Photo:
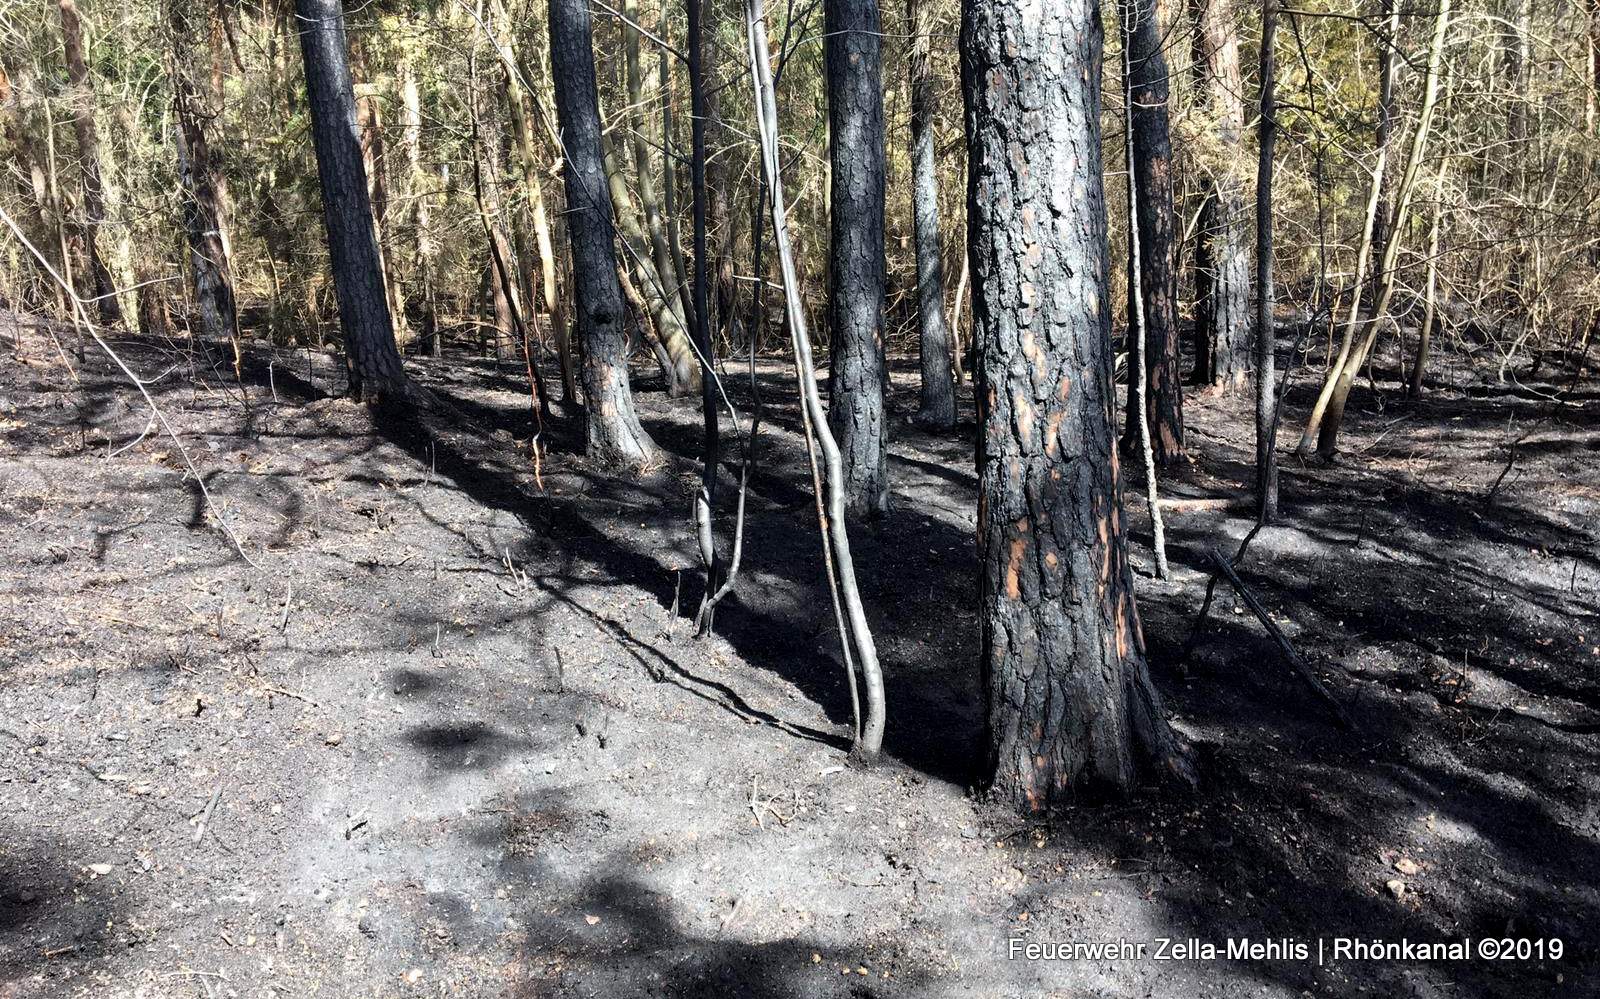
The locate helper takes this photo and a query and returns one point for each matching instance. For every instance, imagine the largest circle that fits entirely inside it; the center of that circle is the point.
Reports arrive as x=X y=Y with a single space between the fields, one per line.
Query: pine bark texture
x=1222 y=264
x=83 y=125
x=1152 y=176
x=613 y=430
x=858 y=372
x=938 y=409
x=1069 y=704
x=371 y=359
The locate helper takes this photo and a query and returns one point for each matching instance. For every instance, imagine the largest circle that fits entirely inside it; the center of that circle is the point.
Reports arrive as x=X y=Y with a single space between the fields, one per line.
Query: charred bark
x=1151 y=174
x=372 y=360
x=1265 y=337
x=1069 y=704
x=613 y=431
x=1221 y=265
x=857 y=372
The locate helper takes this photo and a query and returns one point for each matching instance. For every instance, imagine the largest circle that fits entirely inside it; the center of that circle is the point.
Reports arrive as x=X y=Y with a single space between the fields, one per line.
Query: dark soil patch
x=458 y=744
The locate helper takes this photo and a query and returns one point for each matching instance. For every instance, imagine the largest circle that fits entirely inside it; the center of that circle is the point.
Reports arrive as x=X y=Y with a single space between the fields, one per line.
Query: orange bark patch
x=1019 y=547
x=1024 y=419
x=1052 y=434
x=1014 y=570
x=1122 y=630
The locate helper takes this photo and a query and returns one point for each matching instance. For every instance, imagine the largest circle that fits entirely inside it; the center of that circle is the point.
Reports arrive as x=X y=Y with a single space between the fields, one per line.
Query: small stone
x=1407 y=866
x=334 y=739
x=100 y=870
x=1397 y=888
x=591 y=920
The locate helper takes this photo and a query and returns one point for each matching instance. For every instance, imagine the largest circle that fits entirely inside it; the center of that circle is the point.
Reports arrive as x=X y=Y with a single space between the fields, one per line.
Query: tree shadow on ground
x=1296 y=827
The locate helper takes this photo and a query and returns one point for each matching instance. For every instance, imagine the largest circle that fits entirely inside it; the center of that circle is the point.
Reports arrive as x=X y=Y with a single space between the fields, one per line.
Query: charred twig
x=1511 y=461
x=1290 y=657
x=1211 y=592
x=205 y=816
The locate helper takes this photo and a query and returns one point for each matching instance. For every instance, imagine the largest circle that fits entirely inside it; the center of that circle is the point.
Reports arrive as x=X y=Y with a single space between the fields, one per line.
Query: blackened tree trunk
x=94 y=198
x=203 y=202
x=1152 y=176
x=711 y=433
x=371 y=358
x=1222 y=265
x=614 y=433
x=1265 y=339
x=938 y=408
x=857 y=373
x=1069 y=703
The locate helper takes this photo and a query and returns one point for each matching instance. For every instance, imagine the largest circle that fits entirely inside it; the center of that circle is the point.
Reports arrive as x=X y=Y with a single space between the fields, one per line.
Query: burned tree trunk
x=1266 y=356
x=1221 y=265
x=614 y=433
x=94 y=198
x=857 y=373
x=1151 y=175
x=938 y=408
x=1068 y=700
x=371 y=358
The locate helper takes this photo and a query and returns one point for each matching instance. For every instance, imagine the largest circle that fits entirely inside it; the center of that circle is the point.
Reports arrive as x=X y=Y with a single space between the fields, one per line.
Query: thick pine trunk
x=1222 y=265
x=1069 y=704
x=371 y=358
x=938 y=408
x=614 y=433
x=94 y=198
x=857 y=372
x=1152 y=177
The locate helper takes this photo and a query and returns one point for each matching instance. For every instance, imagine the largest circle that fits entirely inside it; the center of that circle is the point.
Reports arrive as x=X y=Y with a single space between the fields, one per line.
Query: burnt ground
x=449 y=738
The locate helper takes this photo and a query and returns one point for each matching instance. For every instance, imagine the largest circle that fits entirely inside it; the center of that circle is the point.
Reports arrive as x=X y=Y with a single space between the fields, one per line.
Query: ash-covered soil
x=447 y=735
